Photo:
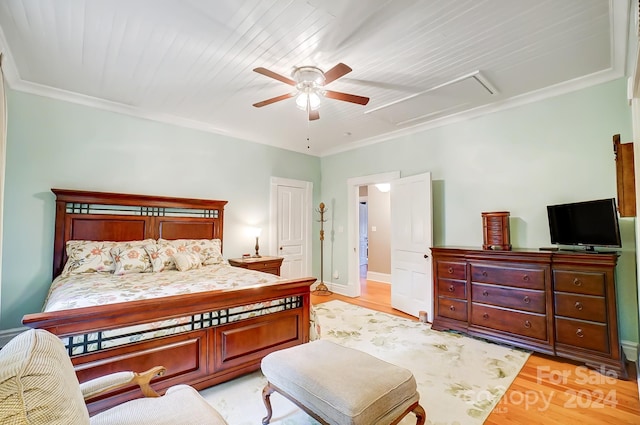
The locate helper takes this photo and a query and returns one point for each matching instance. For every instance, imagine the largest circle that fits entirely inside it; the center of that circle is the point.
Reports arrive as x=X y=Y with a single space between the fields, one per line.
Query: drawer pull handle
x=525 y=278
x=450 y=270
x=451 y=288
x=484 y=273
x=452 y=308
x=579 y=333
x=485 y=293
x=485 y=316
x=579 y=306
x=526 y=299
x=527 y=324
x=577 y=282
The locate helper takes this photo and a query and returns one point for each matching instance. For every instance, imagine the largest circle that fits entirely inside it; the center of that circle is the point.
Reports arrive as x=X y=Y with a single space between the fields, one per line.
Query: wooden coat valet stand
x=321 y=288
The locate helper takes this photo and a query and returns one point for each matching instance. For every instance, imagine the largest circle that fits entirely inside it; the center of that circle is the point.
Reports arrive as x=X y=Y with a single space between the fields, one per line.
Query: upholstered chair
x=39 y=386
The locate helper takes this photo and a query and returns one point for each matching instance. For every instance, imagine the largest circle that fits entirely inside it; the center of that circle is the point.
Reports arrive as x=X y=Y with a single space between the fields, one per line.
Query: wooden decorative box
x=495 y=226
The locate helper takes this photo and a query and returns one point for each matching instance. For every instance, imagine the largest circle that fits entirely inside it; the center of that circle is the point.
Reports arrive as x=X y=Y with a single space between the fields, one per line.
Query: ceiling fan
x=310 y=83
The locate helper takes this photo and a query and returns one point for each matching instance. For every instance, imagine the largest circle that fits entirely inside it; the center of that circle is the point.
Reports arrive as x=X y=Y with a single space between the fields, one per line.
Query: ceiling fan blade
x=273 y=100
x=314 y=115
x=346 y=97
x=336 y=72
x=271 y=74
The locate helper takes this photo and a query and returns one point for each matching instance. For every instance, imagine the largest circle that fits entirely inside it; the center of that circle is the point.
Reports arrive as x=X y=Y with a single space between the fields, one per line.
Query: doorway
x=353 y=288
x=363 y=234
x=411 y=239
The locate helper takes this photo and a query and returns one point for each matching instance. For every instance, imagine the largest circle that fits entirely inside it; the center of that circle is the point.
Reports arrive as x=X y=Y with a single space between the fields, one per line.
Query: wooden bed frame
x=208 y=354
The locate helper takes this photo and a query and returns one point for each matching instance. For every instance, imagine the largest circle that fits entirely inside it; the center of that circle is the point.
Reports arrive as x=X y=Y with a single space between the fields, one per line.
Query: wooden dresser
x=261 y=264
x=554 y=302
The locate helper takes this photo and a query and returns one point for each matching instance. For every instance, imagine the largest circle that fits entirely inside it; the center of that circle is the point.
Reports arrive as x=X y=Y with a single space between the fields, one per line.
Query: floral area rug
x=460 y=379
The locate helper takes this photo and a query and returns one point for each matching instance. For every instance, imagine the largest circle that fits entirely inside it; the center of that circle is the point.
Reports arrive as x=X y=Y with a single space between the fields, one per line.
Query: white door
x=411 y=239
x=364 y=235
x=291 y=230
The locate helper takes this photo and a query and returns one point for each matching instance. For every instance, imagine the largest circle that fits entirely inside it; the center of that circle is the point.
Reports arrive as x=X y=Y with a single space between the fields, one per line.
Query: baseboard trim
x=638 y=370
x=7 y=334
x=337 y=288
x=379 y=277
x=630 y=349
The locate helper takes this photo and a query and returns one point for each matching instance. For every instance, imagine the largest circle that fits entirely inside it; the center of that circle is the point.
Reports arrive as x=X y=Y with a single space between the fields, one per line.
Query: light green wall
x=518 y=160
x=52 y=143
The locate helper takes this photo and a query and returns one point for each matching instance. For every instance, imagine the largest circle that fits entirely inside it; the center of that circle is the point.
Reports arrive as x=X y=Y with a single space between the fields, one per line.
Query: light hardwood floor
x=546 y=391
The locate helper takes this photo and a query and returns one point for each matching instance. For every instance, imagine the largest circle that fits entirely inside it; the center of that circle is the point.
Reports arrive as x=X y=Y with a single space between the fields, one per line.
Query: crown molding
x=620 y=22
x=531 y=97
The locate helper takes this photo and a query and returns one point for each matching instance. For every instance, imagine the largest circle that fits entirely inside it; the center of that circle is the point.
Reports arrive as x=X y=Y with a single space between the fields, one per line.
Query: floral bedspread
x=92 y=289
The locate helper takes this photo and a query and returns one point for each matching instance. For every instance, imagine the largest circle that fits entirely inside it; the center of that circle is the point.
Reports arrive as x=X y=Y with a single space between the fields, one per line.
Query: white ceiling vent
x=445 y=98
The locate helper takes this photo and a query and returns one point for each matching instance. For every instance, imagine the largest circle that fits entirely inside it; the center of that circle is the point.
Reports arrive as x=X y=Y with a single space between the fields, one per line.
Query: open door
x=411 y=240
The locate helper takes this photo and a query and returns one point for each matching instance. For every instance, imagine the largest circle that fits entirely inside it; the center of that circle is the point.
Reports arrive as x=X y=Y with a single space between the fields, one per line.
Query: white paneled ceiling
x=421 y=62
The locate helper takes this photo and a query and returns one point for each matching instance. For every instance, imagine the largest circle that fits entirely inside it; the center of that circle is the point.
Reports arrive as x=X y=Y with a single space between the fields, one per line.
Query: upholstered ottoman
x=337 y=385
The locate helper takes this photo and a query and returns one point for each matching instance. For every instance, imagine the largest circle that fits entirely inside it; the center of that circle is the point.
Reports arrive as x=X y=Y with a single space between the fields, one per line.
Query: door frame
x=352 y=288
x=273 y=217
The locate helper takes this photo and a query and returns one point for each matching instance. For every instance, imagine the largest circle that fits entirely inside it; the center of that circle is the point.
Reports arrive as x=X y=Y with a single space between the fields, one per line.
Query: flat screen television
x=588 y=224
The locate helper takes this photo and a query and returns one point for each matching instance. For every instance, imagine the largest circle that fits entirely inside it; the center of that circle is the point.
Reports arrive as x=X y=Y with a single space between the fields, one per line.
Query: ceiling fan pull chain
x=308 y=131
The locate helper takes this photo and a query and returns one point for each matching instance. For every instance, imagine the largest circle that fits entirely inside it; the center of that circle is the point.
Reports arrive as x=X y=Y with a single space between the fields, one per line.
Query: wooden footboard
x=211 y=346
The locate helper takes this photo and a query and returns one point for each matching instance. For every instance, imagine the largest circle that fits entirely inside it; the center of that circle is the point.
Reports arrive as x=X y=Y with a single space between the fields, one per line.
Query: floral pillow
x=94 y=256
x=209 y=250
x=161 y=255
x=88 y=257
x=130 y=258
x=187 y=260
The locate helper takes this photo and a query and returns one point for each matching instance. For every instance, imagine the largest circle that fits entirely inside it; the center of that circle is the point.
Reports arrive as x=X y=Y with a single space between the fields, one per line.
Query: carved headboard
x=102 y=216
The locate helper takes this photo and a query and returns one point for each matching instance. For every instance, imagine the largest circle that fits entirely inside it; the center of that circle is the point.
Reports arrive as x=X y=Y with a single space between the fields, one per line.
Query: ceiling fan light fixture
x=309 y=82
x=308 y=98
x=308 y=77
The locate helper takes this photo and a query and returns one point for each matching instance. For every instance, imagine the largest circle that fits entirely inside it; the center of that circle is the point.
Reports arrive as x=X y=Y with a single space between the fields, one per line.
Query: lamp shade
x=310 y=98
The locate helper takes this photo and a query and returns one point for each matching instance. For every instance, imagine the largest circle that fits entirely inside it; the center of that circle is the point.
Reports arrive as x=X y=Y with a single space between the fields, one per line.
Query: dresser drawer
x=261 y=264
x=452 y=270
x=581 y=307
x=267 y=269
x=509 y=276
x=515 y=322
x=452 y=288
x=578 y=333
x=579 y=282
x=453 y=309
x=502 y=296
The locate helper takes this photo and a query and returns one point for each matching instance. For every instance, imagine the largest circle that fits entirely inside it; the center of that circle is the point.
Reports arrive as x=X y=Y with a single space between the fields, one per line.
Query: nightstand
x=261 y=264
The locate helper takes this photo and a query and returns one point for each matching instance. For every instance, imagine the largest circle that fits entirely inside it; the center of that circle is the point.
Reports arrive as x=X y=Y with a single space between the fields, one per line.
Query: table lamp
x=256 y=233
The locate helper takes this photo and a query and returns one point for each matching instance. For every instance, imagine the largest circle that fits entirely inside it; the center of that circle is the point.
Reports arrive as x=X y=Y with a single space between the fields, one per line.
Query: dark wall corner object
x=625 y=177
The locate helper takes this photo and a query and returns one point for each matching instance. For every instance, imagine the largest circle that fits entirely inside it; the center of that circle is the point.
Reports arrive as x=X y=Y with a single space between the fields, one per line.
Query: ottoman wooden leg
x=421 y=416
x=417 y=410
x=266 y=398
